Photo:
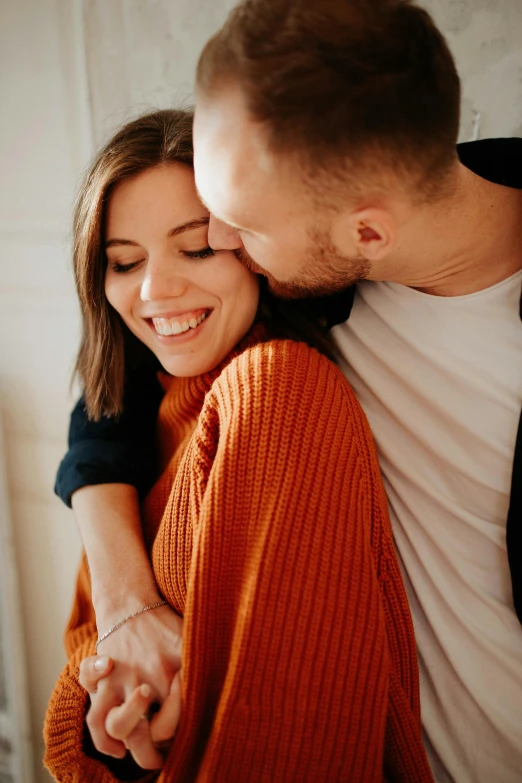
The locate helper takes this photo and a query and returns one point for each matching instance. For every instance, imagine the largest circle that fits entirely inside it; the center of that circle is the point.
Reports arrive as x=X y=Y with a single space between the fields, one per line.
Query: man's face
x=262 y=208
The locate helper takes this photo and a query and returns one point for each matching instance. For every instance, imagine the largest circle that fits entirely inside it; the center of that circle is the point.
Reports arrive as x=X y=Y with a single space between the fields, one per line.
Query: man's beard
x=325 y=272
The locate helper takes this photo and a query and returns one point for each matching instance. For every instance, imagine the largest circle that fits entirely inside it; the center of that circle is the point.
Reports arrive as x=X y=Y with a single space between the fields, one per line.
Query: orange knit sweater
x=271 y=538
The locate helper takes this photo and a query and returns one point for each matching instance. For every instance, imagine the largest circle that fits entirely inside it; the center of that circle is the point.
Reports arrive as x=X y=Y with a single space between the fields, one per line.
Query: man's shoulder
x=497 y=160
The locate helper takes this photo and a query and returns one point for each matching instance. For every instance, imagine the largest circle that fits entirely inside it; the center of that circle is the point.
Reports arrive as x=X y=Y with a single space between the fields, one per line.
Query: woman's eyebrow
x=174 y=232
x=112 y=242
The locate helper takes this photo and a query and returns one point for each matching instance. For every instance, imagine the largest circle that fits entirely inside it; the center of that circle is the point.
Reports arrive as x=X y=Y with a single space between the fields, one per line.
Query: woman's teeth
x=168 y=326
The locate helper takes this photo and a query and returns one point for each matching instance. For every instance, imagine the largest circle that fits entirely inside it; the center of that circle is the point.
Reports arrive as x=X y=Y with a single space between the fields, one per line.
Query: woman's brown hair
x=151 y=140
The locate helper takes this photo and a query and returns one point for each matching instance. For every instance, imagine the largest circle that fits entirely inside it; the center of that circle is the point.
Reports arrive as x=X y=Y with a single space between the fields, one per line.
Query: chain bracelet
x=129 y=617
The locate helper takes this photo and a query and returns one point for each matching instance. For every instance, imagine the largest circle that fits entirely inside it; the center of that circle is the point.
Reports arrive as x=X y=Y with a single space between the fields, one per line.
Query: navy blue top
x=121 y=449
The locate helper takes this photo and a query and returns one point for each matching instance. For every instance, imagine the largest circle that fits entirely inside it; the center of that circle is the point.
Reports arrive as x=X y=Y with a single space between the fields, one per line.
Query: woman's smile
x=164 y=280
x=183 y=325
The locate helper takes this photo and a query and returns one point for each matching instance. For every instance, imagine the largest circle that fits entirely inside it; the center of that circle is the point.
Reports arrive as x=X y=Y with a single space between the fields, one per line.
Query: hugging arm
x=115 y=449
x=109 y=466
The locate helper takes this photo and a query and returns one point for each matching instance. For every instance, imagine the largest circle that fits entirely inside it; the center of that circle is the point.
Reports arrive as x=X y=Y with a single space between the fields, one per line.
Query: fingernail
x=101 y=664
x=145 y=690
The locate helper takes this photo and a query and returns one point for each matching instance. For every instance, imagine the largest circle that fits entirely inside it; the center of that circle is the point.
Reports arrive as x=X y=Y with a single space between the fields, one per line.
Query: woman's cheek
x=116 y=292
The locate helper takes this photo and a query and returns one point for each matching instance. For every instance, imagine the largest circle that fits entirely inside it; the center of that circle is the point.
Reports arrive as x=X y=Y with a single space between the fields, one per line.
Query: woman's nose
x=222 y=236
x=162 y=280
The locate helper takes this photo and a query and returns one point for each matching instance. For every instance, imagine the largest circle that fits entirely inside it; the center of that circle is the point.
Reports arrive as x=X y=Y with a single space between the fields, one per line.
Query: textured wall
x=43 y=148
x=486 y=39
x=142 y=53
x=139 y=54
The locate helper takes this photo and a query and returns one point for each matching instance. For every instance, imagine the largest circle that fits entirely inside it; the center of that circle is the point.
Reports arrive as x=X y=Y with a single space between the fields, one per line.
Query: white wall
x=139 y=54
x=44 y=145
x=486 y=39
x=142 y=53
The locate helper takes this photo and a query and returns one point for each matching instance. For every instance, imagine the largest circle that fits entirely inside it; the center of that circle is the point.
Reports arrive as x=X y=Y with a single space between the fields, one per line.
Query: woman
x=267 y=527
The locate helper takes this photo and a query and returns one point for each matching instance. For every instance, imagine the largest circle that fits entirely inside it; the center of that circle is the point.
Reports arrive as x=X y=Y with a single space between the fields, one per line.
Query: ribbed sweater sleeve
x=274 y=543
x=286 y=663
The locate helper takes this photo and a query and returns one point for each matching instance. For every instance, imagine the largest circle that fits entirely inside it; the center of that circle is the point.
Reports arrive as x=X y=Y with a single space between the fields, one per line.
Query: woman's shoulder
x=281 y=391
x=277 y=357
x=276 y=367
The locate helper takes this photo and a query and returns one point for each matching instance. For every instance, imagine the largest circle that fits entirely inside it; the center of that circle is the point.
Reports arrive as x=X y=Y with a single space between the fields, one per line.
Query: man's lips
x=247 y=260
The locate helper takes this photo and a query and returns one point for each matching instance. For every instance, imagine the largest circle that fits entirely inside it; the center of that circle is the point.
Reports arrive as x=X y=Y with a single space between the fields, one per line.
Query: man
x=325 y=141
x=325 y=149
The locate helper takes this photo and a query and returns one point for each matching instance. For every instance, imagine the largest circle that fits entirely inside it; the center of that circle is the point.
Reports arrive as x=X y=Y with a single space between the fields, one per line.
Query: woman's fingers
x=121 y=721
x=101 y=704
x=142 y=748
x=116 y=727
x=94 y=669
x=165 y=722
x=129 y=723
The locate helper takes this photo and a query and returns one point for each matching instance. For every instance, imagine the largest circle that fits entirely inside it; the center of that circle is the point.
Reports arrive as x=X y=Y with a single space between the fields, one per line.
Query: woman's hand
x=129 y=723
x=146 y=650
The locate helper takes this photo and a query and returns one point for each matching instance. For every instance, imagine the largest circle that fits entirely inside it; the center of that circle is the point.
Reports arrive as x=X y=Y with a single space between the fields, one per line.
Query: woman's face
x=188 y=304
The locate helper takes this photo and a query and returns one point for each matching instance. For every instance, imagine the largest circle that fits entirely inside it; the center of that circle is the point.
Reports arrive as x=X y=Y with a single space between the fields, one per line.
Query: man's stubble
x=326 y=271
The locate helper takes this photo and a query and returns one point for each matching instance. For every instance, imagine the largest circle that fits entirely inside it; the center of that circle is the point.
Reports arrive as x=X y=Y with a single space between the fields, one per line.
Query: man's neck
x=465 y=243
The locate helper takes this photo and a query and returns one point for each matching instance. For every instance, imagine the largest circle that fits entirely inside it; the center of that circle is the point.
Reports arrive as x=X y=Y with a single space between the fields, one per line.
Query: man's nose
x=222 y=236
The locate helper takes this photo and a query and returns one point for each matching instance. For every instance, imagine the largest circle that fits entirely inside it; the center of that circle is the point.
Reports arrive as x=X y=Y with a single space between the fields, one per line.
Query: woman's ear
x=369 y=233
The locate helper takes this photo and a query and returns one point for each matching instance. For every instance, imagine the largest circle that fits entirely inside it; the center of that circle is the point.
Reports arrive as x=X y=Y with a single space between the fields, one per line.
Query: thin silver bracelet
x=129 y=617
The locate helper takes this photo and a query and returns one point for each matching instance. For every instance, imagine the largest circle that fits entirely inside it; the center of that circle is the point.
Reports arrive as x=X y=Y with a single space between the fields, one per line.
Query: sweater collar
x=184 y=397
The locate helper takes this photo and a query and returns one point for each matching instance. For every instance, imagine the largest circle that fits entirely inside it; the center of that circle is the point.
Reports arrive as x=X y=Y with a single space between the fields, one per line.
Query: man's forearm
x=108 y=516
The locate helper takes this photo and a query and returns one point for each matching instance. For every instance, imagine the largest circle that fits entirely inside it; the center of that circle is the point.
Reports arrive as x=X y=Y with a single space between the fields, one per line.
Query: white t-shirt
x=440 y=380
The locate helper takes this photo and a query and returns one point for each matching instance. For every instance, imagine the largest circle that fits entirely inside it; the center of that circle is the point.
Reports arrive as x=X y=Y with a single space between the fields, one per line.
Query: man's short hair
x=340 y=83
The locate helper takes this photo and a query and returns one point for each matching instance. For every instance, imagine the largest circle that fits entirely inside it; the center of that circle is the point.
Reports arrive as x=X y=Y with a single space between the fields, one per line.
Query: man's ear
x=369 y=233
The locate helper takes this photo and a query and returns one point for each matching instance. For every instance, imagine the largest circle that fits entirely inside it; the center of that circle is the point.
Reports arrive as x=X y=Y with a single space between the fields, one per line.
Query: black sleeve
x=121 y=449
x=118 y=449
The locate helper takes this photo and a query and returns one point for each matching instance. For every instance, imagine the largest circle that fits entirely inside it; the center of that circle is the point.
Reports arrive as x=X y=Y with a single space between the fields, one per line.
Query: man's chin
x=310 y=290
x=305 y=288
x=289 y=290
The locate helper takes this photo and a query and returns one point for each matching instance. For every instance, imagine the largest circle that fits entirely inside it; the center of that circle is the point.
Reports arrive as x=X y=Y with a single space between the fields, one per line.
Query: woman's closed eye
x=206 y=252
x=121 y=268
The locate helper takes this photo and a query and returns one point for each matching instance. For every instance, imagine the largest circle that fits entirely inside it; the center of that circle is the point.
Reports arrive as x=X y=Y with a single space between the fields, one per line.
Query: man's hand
x=144 y=651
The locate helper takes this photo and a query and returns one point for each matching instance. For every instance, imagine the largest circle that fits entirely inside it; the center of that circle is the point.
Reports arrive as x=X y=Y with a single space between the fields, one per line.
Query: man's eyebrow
x=174 y=232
